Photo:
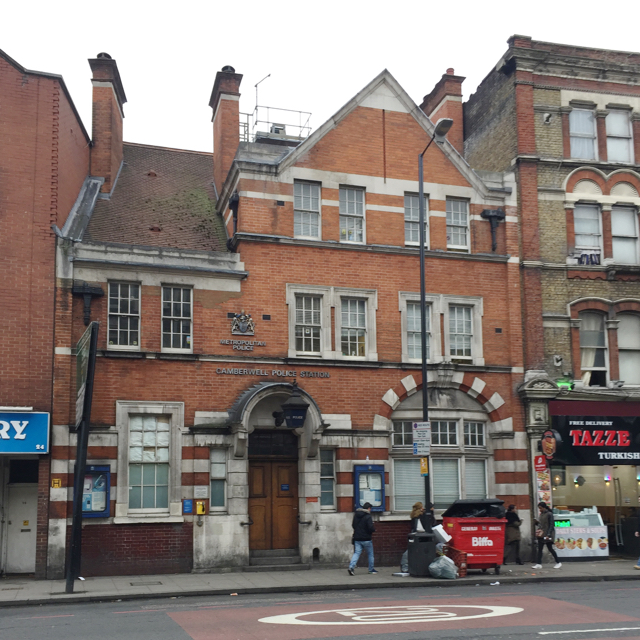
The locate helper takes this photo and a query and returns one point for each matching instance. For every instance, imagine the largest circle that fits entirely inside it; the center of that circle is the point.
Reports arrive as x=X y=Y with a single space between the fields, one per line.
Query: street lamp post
x=439 y=133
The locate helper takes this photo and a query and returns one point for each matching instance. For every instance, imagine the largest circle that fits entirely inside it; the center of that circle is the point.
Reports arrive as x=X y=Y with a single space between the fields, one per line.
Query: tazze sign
x=578 y=440
x=24 y=432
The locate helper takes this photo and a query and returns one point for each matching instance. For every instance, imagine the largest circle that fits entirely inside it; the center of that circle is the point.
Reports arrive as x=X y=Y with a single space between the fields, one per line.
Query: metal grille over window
x=582 y=128
x=306 y=209
x=629 y=348
x=444 y=432
x=619 y=141
x=414 y=334
x=624 y=229
x=586 y=219
x=593 y=350
x=457 y=224
x=124 y=314
x=473 y=434
x=149 y=462
x=176 y=318
x=408 y=484
x=218 y=477
x=403 y=434
x=475 y=479
x=460 y=331
x=446 y=482
x=351 y=215
x=412 y=220
x=354 y=327
x=308 y=324
x=327 y=479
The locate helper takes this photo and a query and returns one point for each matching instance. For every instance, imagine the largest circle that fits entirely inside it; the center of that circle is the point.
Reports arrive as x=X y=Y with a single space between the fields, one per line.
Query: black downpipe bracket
x=494 y=216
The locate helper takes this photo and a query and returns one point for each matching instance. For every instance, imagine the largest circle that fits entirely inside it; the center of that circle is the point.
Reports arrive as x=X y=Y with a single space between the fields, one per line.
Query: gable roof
x=162 y=198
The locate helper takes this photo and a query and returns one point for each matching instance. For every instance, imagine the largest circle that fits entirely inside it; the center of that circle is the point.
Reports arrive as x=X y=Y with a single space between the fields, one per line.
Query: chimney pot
x=450 y=71
x=104 y=55
x=228 y=69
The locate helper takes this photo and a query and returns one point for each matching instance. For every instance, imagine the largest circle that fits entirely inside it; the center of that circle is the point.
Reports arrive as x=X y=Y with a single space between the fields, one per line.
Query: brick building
x=43 y=165
x=566 y=119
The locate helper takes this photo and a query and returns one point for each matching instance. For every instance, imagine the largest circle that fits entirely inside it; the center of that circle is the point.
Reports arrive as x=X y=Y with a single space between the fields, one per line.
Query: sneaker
x=557 y=565
x=373 y=571
x=637 y=567
x=350 y=571
x=537 y=566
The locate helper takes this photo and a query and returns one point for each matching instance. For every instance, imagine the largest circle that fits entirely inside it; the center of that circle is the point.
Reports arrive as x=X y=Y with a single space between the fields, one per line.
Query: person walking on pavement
x=546 y=534
x=512 y=534
x=637 y=566
x=362 y=529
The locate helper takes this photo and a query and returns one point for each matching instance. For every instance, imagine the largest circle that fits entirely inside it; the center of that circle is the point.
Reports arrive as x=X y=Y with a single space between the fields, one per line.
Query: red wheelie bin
x=477 y=529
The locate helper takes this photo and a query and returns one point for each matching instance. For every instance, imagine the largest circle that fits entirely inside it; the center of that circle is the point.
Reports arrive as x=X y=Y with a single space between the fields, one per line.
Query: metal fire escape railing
x=273 y=121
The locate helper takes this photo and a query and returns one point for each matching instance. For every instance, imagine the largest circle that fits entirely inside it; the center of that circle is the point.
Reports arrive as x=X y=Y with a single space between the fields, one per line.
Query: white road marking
x=392 y=615
x=548 y=633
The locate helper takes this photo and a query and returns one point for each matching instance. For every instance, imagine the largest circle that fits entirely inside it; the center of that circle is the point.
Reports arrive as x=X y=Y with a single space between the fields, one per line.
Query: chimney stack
x=225 y=102
x=108 y=101
x=445 y=101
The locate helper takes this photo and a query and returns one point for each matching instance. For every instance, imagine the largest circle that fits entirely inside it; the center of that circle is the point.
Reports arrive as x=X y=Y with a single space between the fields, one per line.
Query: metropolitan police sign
x=24 y=432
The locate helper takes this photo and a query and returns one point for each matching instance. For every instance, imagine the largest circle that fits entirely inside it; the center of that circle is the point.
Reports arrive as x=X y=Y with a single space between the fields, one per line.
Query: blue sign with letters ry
x=24 y=432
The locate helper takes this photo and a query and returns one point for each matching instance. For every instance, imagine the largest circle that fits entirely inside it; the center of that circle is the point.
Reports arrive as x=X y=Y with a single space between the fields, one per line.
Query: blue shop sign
x=24 y=432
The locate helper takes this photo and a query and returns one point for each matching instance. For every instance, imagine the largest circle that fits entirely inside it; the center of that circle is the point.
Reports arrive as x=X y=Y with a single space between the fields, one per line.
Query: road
x=565 y=611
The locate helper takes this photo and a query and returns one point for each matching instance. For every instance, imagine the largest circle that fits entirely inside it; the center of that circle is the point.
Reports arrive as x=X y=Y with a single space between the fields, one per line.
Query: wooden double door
x=273 y=504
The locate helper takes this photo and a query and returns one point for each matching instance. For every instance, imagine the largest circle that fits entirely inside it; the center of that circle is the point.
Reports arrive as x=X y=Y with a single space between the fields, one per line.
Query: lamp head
x=442 y=128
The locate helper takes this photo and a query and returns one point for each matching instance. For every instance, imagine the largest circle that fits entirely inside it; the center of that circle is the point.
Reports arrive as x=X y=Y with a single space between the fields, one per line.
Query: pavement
x=24 y=591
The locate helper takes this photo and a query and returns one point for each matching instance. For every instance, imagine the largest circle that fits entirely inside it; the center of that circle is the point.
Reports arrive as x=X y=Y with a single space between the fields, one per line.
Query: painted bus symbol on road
x=392 y=615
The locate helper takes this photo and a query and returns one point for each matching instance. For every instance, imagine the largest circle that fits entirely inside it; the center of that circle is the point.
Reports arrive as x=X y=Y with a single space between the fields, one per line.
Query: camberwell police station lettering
x=24 y=432
x=279 y=373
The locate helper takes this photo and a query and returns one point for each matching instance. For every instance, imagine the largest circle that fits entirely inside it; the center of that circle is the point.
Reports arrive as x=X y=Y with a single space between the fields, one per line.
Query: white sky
x=319 y=54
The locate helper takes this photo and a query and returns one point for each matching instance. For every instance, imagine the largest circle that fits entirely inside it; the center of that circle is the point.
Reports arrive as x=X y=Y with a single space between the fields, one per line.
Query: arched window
x=593 y=349
x=629 y=348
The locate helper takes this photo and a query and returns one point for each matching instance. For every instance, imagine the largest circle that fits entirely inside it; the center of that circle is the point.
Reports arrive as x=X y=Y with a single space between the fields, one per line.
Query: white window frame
x=591 y=369
x=370 y=298
x=363 y=217
x=458 y=247
x=411 y=221
x=332 y=507
x=224 y=478
x=326 y=301
x=580 y=249
x=482 y=431
x=175 y=412
x=583 y=136
x=626 y=349
x=435 y=337
x=300 y=210
x=163 y=349
x=124 y=347
x=634 y=237
x=477 y=312
x=628 y=137
x=407 y=435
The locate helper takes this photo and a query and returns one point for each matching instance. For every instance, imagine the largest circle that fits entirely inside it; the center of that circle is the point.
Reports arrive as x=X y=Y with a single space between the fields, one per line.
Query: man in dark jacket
x=362 y=529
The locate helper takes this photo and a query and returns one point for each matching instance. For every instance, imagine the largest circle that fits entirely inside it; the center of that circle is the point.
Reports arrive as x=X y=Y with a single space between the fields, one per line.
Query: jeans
x=359 y=546
x=541 y=544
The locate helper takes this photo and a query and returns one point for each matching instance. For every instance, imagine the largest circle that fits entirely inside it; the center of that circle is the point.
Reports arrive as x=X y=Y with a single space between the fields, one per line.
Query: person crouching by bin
x=421 y=519
x=363 y=528
x=546 y=534
x=512 y=534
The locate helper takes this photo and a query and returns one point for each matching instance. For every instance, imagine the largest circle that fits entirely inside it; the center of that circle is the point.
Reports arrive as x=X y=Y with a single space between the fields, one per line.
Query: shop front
x=24 y=438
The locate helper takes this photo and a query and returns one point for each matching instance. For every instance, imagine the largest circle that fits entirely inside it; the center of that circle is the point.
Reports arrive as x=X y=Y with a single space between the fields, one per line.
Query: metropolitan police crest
x=242 y=324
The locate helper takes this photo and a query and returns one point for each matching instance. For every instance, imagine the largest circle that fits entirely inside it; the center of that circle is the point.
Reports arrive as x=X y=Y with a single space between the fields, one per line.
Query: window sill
x=150 y=519
x=400 y=516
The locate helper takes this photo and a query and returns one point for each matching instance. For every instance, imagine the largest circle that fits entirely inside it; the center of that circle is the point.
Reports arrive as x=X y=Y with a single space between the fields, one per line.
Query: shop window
x=327 y=479
x=446 y=481
x=624 y=231
x=176 y=319
x=408 y=484
x=587 y=227
x=629 y=348
x=457 y=225
x=218 y=500
x=593 y=349
x=474 y=434
x=149 y=463
x=444 y=433
x=582 y=131
x=306 y=210
x=351 y=214
x=619 y=139
x=124 y=316
x=412 y=220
